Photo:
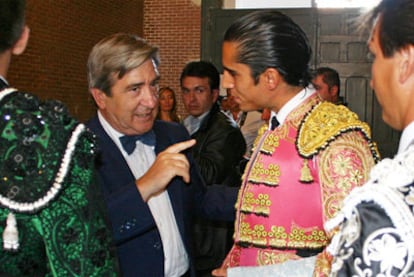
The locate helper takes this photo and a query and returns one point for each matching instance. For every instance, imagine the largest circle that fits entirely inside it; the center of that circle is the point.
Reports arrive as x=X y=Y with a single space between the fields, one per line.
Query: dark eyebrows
x=232 y=72
x=156 y=79
x=140 y=84
x=134 y=85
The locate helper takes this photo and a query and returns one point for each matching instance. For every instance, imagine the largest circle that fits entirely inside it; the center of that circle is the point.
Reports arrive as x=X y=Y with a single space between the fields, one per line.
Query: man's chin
x=248 y=108
x=144 y=126
x=195 y=113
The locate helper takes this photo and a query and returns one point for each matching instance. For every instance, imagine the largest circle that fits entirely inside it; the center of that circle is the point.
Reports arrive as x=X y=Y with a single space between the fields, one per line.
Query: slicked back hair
x=270 y=39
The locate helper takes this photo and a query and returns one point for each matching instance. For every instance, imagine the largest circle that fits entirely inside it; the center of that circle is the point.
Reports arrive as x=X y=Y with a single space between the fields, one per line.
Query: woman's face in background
x=166 y=100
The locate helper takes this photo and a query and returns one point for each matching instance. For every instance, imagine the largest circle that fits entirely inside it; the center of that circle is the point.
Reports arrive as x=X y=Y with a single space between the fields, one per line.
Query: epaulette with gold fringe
x=324 y=123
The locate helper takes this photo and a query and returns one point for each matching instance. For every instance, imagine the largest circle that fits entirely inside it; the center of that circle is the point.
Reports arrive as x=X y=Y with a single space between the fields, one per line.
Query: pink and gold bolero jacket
x=296 y=180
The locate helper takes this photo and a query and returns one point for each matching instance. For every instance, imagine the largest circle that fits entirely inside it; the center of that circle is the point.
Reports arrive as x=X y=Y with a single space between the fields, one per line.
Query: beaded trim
x=60 y=176
x=6 y=92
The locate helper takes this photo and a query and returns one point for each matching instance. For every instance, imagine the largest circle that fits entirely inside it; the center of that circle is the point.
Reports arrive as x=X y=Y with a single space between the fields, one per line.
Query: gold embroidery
x=325 y=122
x=264 y=175
x=277 y=237
x=305 y=173
x=260 y=205
x=270 y=143
x=342 y=167
x=322 y=265
x=260 y=133
x=272 y=256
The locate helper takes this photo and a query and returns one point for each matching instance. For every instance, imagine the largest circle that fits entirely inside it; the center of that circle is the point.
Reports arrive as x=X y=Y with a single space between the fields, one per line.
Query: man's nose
x=227 y=80
x=150 y=98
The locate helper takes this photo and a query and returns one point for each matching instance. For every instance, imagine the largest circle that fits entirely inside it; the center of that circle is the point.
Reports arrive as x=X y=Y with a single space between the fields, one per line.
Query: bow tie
x=129 y=142
x=274 y=123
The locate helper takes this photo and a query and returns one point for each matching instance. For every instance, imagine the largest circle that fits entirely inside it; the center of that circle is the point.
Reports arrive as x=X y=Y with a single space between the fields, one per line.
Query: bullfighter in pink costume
x=301 y=170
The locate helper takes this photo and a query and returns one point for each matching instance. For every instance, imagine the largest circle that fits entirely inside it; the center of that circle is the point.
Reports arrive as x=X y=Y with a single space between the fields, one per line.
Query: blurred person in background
x=167 y=109
x=328 y=85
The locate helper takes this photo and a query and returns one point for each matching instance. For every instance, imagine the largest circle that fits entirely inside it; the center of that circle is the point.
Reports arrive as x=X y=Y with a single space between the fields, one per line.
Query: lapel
x=119 y=172
x=206 y=121
x=118 y=169
x=166 y=136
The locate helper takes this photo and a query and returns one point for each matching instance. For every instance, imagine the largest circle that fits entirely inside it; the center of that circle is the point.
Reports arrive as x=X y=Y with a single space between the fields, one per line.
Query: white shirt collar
x=192 y=123
x=292 y=104
x=112 y=133
x=407 y=137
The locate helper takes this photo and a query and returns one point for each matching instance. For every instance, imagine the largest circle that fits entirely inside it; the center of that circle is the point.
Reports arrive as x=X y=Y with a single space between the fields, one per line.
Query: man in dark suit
x=148 y=177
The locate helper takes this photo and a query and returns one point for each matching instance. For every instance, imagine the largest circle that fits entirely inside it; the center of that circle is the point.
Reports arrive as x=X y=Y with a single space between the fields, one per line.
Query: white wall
x=254 y=4
x=248 y=4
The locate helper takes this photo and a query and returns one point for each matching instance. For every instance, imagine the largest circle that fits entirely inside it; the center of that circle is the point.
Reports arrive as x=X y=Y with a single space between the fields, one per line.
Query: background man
x=219 y=149
x=248 y=122
x=51 y=213
x=220 y=144
x=376 y=223
x=151 y=185
x=328 y=85
x=307 y=160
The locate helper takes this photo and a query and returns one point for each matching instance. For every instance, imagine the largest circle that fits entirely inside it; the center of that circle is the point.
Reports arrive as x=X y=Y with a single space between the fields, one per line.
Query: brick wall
x=62 y=35
x=64 y=31
x=173 y=26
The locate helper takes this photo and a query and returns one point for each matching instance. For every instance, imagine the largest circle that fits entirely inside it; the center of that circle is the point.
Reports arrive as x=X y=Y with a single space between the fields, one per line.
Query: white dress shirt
x=407 y=137
x=176 y=261
x=192 y=123
x=292 y=104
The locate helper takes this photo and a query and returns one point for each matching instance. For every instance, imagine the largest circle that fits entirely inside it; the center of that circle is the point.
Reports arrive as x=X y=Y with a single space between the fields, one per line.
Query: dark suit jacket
x=136 y=236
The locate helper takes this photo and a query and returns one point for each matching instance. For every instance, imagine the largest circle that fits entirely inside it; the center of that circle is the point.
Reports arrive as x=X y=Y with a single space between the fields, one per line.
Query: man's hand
x=219 y=272
x=167 y=165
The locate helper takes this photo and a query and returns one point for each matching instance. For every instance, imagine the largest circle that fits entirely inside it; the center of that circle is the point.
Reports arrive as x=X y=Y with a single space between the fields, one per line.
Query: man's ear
x=406 y=68
x=99 y=96
x=271 y=77
x=333 y=90
x=215 y=93
x=19 y=47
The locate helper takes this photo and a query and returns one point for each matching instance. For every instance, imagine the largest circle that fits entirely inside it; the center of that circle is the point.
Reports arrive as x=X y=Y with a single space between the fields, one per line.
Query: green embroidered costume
x=47 y=189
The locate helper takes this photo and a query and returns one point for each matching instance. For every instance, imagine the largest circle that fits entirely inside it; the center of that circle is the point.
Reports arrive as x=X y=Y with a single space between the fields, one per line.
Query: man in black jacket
x=219 y=149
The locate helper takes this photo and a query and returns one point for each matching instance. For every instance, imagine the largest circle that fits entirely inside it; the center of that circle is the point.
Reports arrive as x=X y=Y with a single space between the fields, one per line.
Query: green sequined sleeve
x=68 y=235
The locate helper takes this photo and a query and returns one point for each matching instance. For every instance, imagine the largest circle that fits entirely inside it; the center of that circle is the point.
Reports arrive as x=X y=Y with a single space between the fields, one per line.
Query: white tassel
x=11 y=234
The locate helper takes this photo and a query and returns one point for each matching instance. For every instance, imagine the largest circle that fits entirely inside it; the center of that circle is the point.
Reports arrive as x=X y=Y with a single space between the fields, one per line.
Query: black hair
x=12 y=20
x=270 y=39
x=202 y=69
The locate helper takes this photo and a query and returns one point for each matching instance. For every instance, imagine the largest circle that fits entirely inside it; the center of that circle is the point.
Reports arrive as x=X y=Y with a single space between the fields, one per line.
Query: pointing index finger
x=178 y=147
